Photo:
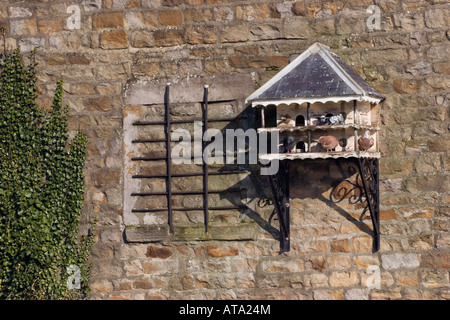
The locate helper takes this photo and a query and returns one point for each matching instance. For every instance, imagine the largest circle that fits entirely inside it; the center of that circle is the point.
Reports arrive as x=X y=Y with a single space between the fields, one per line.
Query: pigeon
x=366 y=141
x=338 y=119
x=285 y=122
x=288 y=144
x=324 y=120
x=328 y=142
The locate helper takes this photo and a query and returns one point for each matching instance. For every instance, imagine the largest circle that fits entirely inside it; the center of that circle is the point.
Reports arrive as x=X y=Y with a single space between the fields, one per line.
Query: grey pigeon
x=288 y=144
x=365 y=142
x=328 y=142
x=338 y=119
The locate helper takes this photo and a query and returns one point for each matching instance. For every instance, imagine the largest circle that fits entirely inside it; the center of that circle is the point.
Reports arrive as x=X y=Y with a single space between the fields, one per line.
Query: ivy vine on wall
x=41 y=192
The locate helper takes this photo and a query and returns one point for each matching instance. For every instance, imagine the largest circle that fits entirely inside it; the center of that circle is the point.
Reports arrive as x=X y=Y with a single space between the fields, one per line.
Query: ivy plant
x=42 y=255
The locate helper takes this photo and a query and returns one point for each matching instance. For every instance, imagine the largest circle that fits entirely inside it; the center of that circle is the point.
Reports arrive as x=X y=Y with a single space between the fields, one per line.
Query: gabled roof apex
x=317 y=75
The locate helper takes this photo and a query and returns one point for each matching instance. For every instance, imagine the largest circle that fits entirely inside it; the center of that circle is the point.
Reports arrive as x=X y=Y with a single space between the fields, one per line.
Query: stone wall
x=113 y=45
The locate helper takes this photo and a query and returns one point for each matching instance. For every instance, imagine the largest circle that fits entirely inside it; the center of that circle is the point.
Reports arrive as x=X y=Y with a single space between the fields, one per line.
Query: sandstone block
x=197 y=15
x=296 y=28
x=98 y=104
x=25 y=27
x=158 y=252
x=340 y=245
x=142 y=19
x=235 y=33
x=20 y=12
x=47 y=26
x=108 y=20
x=282 y=266
x=101 y=286
x=146 y=69
x=344 y=279
x=357 y=294
x=362 y=244
x=200 y=34
x=110 y=177
x=222 y=251
x=437 y=18
x=223 y=14
x=253 y=12
x=299 y=8
x=143 y=283
x=170 y=18
x=400 y=260
x=116 y=39
x=77 y=59
x=169 y=37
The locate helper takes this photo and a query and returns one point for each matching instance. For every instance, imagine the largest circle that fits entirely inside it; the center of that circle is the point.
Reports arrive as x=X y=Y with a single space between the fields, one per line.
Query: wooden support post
x=263 y=120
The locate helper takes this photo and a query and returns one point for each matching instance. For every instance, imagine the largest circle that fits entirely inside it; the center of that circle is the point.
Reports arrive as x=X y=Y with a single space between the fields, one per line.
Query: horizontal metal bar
x=192 y=157
x=148 y=158
x=189 y=209
x=190 y=174
x=149 y=123
x=163 y=193
x=162 y=140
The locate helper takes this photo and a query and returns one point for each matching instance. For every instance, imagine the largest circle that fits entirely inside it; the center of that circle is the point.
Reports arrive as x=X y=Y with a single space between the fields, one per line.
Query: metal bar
x=372 y=199
x=205 y=165
x=149 y=123
x=308 y=123
x=190 y=174
x=285 y=244
x=148 y=158
x=163 y=157
x=160 y=140
x=178 y=193
x=355 y=131
x=168 y=158
x=190 y=209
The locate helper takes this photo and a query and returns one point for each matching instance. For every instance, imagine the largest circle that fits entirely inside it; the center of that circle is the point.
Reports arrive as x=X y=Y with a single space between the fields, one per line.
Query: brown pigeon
x=328 y=142
x=366 y=141
x=285 y=122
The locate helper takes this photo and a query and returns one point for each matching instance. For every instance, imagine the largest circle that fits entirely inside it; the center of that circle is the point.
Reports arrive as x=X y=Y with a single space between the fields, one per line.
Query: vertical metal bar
x=287 y=219
x=376 y=207
x=355 y=131
x=308 y=123
x=169 y=158
x=205 y=165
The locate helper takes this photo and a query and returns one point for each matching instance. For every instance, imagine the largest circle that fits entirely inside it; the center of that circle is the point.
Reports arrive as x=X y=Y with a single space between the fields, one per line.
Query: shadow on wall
x=332 y=183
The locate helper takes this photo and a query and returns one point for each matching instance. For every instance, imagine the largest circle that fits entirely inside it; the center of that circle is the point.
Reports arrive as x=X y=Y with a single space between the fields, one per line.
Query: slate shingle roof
x=317 y=73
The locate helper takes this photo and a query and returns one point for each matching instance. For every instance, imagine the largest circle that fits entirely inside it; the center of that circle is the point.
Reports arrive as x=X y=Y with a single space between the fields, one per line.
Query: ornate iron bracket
x=279 y=185
x=369 y=172
x=369 y=176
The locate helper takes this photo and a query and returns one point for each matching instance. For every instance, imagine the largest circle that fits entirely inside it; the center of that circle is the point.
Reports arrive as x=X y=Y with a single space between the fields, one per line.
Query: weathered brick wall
x=123 y=42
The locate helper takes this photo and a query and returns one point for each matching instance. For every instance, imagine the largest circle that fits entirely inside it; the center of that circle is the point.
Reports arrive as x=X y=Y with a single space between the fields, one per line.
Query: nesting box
x=321 y=109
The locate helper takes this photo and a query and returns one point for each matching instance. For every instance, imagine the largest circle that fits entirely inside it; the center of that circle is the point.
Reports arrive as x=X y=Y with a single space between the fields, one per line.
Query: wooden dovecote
x=317 y=95
x=317 y=98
